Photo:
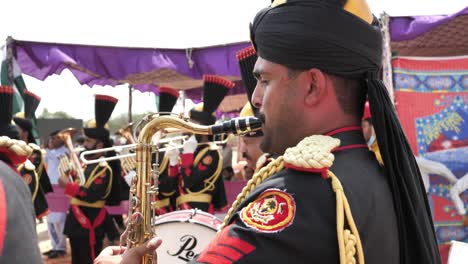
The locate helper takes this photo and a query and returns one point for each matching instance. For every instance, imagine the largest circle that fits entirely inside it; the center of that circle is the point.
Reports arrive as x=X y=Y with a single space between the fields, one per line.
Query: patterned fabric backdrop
x=432 y=102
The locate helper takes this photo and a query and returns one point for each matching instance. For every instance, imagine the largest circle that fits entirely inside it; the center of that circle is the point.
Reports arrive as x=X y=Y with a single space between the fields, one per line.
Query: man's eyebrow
x=258 y=73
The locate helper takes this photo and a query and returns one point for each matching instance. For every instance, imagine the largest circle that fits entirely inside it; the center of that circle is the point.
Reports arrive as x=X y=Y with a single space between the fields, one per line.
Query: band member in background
x=249 y=146
x=369 y=133
x=168 y=161
x=18 y=240
x=26 y=124
x=55 y=220
x=201 y=185
x=33 y=171
x=87 y=220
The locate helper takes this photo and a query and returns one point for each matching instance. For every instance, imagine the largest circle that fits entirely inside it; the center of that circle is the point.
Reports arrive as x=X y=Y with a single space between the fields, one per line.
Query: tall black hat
x=246 y=59
x=25 y=120
x=103 y=107
x=167 y=99
x=6 y=113
x=215 y=89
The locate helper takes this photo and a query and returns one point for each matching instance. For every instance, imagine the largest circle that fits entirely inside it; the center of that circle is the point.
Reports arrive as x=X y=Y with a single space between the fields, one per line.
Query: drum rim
x=215 y=220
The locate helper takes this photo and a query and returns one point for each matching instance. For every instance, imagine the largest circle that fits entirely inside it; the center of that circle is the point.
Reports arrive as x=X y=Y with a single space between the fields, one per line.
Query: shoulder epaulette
x=34 y=146
x=311 y=154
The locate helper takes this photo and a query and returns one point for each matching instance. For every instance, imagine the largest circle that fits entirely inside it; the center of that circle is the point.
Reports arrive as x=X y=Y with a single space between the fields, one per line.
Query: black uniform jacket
x=90 y=198
x=37 y=158
x=30 y=176
x=167 y=185
x=201 y=174
x=291 y=217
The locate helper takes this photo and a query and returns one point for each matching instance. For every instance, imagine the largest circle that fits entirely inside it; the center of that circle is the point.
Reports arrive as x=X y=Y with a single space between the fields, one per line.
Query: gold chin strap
x=313 y=152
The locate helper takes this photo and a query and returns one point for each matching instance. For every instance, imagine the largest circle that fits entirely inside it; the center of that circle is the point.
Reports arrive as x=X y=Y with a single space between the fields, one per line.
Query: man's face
x=250 y=149
x=367 y=129
x=55 y=142
x=280 y=106
x=90 y=143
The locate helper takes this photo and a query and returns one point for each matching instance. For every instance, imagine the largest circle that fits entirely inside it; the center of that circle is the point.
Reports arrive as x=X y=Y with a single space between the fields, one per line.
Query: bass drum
x=185 y=234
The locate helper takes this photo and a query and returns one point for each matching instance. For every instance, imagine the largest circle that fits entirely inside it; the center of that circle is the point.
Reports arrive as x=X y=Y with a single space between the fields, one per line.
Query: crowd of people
x=331 y=178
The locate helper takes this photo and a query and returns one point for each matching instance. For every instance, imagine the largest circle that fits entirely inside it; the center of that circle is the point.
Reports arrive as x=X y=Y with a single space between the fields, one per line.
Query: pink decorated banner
x=432 y=103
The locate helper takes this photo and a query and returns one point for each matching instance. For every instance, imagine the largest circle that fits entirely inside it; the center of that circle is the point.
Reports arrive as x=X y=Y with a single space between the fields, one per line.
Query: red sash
x=86 y=223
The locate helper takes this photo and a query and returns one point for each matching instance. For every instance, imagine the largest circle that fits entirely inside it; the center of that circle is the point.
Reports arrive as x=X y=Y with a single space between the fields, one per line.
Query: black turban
x=320 y=34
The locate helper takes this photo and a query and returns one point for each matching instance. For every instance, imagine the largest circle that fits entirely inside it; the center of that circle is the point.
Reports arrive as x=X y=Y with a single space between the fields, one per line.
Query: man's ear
x=317 y=88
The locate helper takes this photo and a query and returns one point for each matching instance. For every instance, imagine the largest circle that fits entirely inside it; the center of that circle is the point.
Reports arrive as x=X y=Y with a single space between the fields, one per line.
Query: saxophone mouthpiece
x=237 y=126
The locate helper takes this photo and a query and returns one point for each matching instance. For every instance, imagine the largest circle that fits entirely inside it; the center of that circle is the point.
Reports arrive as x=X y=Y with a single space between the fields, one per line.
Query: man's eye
x=264 y=81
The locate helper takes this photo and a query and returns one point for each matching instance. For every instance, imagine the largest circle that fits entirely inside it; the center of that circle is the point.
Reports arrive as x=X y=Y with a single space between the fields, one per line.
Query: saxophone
x=143 y=190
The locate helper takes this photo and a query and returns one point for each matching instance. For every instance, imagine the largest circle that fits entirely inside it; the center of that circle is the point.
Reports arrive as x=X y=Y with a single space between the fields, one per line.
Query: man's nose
x=257 y=96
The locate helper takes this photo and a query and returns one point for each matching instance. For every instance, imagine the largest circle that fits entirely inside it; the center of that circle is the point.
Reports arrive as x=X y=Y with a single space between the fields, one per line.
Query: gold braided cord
x=264 y=173
x=313 y=152
x=18 y=147
x=347 y=240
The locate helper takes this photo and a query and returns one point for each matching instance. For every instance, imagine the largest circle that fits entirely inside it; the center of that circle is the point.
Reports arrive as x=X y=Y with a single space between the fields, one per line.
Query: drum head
x=185 y=235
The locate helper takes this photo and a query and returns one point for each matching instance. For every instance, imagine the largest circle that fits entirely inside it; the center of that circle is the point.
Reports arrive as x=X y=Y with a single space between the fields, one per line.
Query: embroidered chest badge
x=271 y=212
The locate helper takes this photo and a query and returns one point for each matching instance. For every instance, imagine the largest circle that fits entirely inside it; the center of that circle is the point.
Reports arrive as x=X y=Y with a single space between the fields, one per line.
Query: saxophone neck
x=158 y=123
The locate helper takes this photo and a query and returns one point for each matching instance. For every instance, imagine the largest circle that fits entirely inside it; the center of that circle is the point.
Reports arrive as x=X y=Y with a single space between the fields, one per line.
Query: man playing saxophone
x=326 y=199
x=87 y=220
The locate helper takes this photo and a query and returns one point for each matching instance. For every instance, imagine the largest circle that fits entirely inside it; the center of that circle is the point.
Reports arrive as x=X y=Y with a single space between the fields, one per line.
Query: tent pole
x=387 y=55
x=130 y=103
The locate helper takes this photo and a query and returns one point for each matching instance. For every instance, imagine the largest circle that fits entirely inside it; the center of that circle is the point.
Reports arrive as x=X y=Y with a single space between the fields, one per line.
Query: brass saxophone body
x=143 y=191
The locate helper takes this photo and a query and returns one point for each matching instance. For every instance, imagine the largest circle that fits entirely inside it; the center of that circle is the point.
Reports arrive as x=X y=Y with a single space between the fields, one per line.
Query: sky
x=153 y=24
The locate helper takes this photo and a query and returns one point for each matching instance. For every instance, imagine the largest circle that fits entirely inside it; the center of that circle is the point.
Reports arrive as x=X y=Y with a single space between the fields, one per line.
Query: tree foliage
x=121 y=121
x=54 y=115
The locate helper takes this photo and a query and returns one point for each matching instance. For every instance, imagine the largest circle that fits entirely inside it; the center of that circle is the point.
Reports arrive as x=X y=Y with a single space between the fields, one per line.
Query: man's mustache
x=246 y=156
x=261 y=116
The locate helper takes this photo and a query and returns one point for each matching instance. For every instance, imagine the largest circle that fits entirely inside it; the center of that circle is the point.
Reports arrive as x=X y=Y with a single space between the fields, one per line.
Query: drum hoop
x=189 y=218
x=191 y=221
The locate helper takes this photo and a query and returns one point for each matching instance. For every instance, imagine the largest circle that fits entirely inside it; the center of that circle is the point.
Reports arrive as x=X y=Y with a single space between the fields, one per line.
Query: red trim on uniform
x=14 y=158
x=3 y=216
x=27 y=92
x=173 y=171
x=343 y=129
x=218 y=80
x=355 y=146
x=43 y=214
x=201 y=167
x=6 y=89
x=245 y=53
x=106 y=98
x=185 y=206
x=86 y=224
x=323 y=172
x=214 y=259
x=169 y=90
x=72 y=189
x=211 y=208
x=225 y=249
x=98 y=181
x=187 y=160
